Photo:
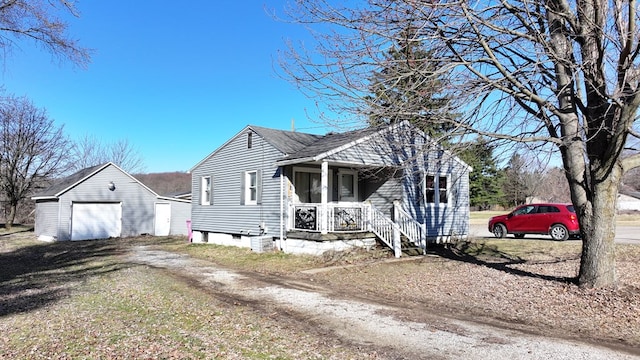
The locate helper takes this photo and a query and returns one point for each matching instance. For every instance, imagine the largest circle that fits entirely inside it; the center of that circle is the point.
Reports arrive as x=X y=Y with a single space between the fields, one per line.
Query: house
x=628 y=200
x=104 y=201
x=306 y=193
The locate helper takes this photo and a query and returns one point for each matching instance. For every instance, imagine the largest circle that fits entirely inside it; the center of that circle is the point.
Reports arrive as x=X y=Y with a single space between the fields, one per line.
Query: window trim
x=248 y=187
x=206 y=192
x=436 y=189
x=353 y=173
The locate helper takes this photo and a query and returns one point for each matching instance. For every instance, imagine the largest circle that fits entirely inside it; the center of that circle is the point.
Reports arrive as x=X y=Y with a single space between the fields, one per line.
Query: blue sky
x=176 y=79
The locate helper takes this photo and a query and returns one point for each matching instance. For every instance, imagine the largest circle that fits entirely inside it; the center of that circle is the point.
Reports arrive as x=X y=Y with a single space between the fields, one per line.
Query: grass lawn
x=85 y=300
x=88 y=299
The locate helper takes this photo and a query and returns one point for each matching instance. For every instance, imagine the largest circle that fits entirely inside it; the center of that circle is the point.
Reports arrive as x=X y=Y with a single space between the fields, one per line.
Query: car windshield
x=570 y=208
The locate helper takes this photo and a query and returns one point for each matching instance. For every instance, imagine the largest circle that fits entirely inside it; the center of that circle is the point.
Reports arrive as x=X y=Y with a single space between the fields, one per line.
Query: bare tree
x=39 y=20
x=90 y=151
x=125 y=155
x=558 y=75
x=32 y=150
x=553 y=186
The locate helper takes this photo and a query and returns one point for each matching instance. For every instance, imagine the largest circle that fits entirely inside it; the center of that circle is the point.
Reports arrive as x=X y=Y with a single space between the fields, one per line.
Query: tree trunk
x=11 y=217
x=598 y=226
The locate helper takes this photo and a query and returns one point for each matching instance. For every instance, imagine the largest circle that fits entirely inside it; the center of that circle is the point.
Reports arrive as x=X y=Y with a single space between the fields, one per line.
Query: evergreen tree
x=485 y=180
x=407 y=87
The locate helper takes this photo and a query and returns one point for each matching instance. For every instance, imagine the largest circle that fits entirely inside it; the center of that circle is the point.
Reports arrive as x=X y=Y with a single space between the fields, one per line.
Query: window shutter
x=211 y=190
x=242 y=187
x=259 y=187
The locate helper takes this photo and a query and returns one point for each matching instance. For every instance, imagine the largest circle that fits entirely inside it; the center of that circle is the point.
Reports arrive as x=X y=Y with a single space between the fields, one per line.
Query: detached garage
x=104 y=201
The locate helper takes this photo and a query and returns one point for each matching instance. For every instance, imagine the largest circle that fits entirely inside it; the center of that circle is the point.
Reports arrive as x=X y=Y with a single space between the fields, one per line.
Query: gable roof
x=298 y=147
x=332 y=143
x=65 y=184
x=287 y=142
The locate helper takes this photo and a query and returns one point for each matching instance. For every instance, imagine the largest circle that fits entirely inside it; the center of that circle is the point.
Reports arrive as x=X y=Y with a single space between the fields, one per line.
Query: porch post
x=324 y=198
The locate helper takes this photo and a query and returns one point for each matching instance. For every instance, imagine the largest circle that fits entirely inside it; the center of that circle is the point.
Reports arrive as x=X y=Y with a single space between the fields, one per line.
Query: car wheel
x=499 y=231
x=559 y=232
x=519 y=236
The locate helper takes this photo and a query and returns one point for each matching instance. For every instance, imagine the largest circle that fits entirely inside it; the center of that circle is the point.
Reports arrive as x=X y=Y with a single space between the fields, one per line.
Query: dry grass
x=86 y=300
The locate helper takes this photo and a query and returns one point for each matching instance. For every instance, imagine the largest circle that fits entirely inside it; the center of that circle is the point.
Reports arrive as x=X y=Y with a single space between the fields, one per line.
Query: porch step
x=409 y=248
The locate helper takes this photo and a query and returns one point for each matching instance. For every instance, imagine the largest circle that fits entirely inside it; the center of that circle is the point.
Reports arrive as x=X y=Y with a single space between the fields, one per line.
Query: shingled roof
x=300 y=146
x=288 y=142
x=64 y=183
x=330 y=142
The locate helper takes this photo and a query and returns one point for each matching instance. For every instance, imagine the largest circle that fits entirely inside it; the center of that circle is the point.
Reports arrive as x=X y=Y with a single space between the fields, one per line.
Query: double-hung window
x=206 y=186
x=251 y=188
x=436 y=189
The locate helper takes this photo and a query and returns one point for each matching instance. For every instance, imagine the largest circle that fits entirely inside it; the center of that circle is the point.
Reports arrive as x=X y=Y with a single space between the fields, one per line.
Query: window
x=308 y=187
x=436 y=189
x=205 y=190
x=530 y=209
x=543 y=209
x=347 y=185
x=251 y=187
x=442 y=189
x=249 y=140
x=430 y=189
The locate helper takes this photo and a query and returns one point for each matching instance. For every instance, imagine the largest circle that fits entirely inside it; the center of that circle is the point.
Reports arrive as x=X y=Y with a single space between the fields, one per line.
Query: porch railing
x=339 y=217
x=386 y=230
x=410 y=227
x=350 y=217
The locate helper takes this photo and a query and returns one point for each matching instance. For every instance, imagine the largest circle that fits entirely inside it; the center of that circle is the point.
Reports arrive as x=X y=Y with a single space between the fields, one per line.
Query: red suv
x=557 y=220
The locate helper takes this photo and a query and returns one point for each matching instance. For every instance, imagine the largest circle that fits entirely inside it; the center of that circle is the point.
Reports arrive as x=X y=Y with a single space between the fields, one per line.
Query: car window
x=524 y=210
x=548 y=209
x=571 y=208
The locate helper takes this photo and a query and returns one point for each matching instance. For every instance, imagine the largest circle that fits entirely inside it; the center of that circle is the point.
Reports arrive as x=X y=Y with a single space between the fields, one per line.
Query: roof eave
x=295 y=161
x=173 y=199
x=48 y=197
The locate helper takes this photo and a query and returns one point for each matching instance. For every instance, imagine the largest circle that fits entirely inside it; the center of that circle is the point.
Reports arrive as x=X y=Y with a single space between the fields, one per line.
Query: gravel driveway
x=357 y=322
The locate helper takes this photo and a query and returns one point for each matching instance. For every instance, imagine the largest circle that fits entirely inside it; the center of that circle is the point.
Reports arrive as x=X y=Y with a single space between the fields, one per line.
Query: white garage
x=104 y=201
x=96 y=220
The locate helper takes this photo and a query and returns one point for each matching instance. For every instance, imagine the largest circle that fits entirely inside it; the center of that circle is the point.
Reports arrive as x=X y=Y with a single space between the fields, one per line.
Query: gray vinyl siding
x=47 y=215
x=226 y=165
x=374 y=152
x=137 y=202
x=444 y=219
x=383 y=191
x=180 y=213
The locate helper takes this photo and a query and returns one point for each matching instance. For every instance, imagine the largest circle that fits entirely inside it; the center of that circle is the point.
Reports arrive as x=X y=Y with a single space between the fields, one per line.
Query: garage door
x=96 y=220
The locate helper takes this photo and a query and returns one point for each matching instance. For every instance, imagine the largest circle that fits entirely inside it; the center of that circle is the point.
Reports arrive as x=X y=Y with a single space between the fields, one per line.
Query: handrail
x=385 y=229
x=409 y=227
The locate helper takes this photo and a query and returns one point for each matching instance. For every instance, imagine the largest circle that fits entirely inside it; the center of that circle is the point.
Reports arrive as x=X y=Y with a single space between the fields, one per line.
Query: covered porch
x=344 y=202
